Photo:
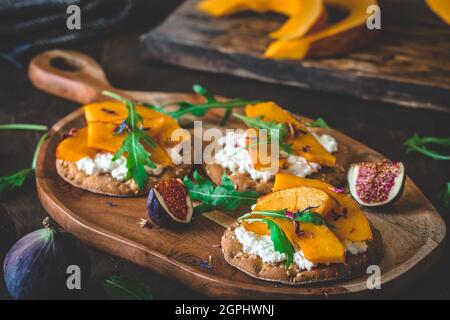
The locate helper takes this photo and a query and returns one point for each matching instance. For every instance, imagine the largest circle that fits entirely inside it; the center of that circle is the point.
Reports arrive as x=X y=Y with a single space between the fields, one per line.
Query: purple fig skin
x=159 y=216
x=36 y=266
x=154 y=209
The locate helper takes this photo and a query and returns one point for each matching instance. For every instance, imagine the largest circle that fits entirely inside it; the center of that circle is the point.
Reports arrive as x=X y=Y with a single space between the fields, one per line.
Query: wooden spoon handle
x=69 y=74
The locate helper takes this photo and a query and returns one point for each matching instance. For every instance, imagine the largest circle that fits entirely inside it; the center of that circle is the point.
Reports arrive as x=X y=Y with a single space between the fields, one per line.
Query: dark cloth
x=37 y=24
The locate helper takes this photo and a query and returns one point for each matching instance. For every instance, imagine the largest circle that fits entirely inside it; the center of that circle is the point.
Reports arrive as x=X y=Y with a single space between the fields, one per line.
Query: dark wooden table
x=384 y=127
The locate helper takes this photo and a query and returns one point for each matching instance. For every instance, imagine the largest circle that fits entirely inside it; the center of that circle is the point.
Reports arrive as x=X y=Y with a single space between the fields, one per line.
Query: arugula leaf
x=312 y=217
x=137 y=156
x=121 y=288
x=319 y=123
x=16 y=180
x=11 y=182
x=445 y=196
x=200 y=110
x=200 y=90
x=223 y=197
x=280 y=241
x=419 y=144
x=210 y=98
x=276 y=130
x=23 y=126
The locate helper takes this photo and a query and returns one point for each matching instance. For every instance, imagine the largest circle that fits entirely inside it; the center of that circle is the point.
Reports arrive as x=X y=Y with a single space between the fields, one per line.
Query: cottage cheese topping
x=300 y=167
x=234 y=157
x=102 y=163
x=327 y=141
x=262 y=246
x=356 y=248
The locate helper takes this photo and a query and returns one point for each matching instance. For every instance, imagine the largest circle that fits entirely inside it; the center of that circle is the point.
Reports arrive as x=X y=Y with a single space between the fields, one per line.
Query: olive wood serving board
x=413 y=231
x=409 y=63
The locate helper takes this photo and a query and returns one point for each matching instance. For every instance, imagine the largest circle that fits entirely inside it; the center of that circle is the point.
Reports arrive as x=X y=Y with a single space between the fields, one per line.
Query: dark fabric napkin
x=26 y=25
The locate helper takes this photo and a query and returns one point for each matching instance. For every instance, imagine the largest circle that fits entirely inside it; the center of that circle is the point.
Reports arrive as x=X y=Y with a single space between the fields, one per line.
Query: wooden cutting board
x=413 y=232
x=409 y=64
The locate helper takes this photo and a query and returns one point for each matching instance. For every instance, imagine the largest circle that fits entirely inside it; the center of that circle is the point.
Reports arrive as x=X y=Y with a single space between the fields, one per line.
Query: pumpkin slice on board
x=441 y=8
x=75 y=147
x=303 y=142
x=304 y=16
x=341 y=37
x=350 y=221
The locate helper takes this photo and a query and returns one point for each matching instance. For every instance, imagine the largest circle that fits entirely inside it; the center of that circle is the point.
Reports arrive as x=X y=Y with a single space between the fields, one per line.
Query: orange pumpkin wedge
x=304 y=143
x=101 y=134
x=75 y=147
x=261 y=153
x=352 y=224
x=337 y=38
x=441 y=8
x=115 y=112
x=296 y=199
x=318 y=243
x=304 y=16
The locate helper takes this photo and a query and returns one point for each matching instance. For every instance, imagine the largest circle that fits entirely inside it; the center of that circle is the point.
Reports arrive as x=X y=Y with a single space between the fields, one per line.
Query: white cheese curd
x=262 y=246
x=234 y=156
x=355 y=248
x=302 y=262
x=102 y=163
x=300 y=167
x=327 y=141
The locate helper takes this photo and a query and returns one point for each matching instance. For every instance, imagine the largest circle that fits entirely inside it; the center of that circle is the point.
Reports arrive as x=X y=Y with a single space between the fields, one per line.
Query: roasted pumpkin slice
x=115 y=112
x=159 y=155
x=168 y=135
x=304 y=15
x=441 y=8
x=304 y=143
x=307 y=146
x=318 y=243
x=273 y=112
x=296 y=199
x=338 y=38
x=101 y=134
x=350 y=221
x=261 y=153
x=75 y=147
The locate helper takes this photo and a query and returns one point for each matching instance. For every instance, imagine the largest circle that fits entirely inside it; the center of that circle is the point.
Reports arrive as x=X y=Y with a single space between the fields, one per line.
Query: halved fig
x=374 y=184
x=169 y=204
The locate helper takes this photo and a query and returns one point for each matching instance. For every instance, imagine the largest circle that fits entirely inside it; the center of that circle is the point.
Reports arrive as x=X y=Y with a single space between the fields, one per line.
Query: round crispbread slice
x=254 y=266
x=335 y=176
x=105 y=184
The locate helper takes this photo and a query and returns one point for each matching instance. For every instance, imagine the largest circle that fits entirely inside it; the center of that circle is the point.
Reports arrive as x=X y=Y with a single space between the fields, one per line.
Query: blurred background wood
x=381 y=126
x=408 y=64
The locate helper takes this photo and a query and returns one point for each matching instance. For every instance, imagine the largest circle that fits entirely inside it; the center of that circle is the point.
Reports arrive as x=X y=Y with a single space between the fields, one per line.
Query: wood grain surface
x=409 y=65
x=412 y=230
